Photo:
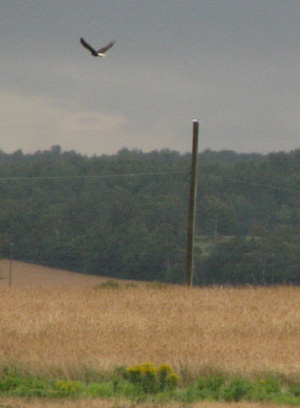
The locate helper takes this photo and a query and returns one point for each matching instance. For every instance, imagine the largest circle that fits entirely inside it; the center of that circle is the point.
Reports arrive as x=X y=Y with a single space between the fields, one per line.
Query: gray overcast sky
x=233 y=64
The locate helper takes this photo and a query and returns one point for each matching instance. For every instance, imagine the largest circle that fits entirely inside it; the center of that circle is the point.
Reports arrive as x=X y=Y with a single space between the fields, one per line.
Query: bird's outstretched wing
x=86 y=45
x=107 y=47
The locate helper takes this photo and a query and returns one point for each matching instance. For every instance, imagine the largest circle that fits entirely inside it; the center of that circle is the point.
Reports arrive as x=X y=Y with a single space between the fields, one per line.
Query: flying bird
x=95 y=53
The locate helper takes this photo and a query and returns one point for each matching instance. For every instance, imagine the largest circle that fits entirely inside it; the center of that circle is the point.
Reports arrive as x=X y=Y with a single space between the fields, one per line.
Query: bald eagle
x=99 y=53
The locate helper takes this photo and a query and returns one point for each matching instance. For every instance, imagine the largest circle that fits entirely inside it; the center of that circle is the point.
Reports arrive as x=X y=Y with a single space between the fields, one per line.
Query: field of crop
x=238 y=330
x=75 y=328
x=25 y=275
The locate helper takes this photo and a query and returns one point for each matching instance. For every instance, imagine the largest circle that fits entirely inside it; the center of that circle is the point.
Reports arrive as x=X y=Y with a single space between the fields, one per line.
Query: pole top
x=195 y=120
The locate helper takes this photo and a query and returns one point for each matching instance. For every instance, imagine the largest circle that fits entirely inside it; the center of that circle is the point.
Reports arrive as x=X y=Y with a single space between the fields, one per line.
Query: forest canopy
x=125 y=215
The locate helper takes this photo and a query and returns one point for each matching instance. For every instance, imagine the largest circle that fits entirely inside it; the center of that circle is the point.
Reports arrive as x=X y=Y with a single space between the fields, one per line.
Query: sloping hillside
x=30 y=275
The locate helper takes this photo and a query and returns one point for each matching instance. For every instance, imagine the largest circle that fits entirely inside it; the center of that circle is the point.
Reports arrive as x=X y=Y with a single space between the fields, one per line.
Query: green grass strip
x=119 y=384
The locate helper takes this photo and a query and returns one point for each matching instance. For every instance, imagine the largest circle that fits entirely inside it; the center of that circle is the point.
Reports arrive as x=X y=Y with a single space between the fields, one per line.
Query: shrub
x=210 y=387
x=295 y=390
x=236 y=390
x=150 y=379
x=109 y=284
x=66 y=388
x=265 y=388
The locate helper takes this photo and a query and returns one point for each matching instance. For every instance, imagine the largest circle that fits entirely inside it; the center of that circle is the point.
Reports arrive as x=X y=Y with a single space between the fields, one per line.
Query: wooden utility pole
x=192 y=208
x=11 y=249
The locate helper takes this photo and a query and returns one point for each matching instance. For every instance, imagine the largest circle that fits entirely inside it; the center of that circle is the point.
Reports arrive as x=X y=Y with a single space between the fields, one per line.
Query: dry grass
x=236 y=330
x=97 y=403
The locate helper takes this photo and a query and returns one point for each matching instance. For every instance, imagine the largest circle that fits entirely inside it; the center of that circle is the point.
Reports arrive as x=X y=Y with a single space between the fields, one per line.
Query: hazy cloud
x=234 y=65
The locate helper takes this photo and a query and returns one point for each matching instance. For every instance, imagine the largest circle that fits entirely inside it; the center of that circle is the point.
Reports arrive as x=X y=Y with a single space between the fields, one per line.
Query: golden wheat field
x=68 y=328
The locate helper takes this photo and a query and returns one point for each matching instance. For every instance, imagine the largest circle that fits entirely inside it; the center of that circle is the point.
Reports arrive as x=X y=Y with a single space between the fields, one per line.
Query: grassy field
x=76 y=329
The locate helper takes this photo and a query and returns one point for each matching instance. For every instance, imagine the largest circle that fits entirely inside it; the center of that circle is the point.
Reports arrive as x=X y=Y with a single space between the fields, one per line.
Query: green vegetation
x=152 y=380
x=114 y=284
x=147 y=383
x=125 y=216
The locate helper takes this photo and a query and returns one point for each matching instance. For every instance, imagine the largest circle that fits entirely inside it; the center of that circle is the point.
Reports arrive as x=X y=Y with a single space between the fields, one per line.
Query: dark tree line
x=125 y=215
